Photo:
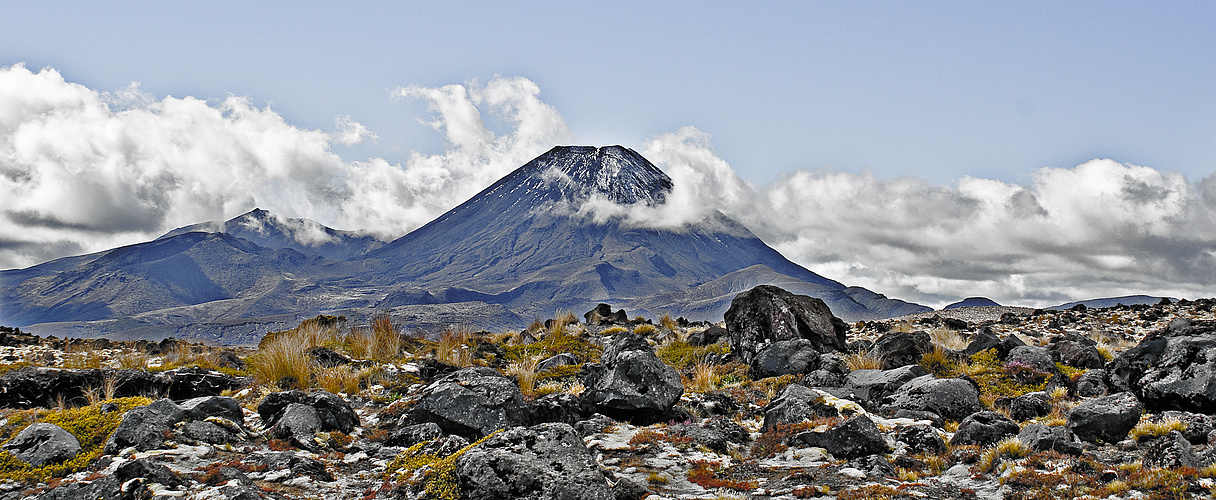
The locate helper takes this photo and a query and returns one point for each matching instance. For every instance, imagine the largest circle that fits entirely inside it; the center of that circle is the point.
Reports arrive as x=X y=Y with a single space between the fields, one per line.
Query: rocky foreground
x=781 y=400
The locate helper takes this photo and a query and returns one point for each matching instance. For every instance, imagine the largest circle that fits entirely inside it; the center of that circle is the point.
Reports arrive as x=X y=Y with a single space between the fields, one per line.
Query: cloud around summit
x=83 y=170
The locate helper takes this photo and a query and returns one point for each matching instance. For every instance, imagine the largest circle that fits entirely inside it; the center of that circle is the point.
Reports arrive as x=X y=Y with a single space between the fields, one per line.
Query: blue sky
x=1032 y=152
x=930 y=89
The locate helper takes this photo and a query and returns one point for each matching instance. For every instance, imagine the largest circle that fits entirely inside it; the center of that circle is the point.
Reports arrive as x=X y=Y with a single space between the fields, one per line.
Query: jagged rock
x=716 y=434
x=796 y=404
x=414 y=434
x=298 y=465
x=298 y=422
x=207 y=432
x=602 y=315
x=1076 y=351
x=558 y=407
x=547 y=461
x=431 y=369
x=626 y=489
x=952 y=398
x=150 y=472
x=767 y=314
x=145 y=427
x=327 y=357
x=563 y=359
x=213 y=406
x=1170 y=451
x=1092 y=383
x=229 y=359
x=986 y=339
x=43 y=443
x=823 y=378
x=631 y=383
x=193 y=382
x=103 y=488
x=1106 y=419
x=874 y=385
x=335 y=413
x=920 y=438
x=708 y=404
x=1039 y=437
x=1198 y=426
x=472 y=402
x=855 y=438
x=984 y=428
x=897 y=349
x=785 y=357
x=595 y=424
x=1171 y=369
x=874 y=466
x=707 y=336
x=1029 y=405
x=1032 y=357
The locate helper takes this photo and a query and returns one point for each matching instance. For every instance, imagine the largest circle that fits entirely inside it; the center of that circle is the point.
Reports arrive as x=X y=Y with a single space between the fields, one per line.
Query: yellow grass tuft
x=863 y=360
x=524 y=372
x=456 y=347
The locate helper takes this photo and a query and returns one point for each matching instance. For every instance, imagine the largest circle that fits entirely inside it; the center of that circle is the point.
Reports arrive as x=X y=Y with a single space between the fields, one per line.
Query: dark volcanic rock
x=327 y=357
x=707 y=336
x=786 y=357
x=472 y=402
x=1170 y=451
x=796 y=404
x=1029 y=405
x=767 y=314
x=631 y=383
x=1171 y=369
x=43 y=443
x=602 y=315
x=145 y=427
x=1092 y=383
x=921 y=438
x=298 y=465
x=414 y=434
x=897 y=349
x=1198 y=426
x=874 y=385
x=855 y=438
x=214 y=406
x=1039 y=437
x=1076 y=351
x=563 y=359
x=1032 y=357
x=335 y=413
x=548 y=461
x=984 y=428
x=952 y=398
x=298 y=422
x=1107 y=419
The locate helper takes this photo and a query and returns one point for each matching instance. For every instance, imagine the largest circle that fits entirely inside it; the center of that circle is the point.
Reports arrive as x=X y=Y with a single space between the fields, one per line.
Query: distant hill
x=518 y=250
x=1129 y=300
x=972 y=302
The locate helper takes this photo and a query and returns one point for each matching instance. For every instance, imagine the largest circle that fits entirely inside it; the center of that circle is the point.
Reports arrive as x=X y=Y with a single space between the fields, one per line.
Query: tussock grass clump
x=646 y=329
x=525 y=374
x=456 y=347
x=863 y=360
x=1010 y=447
x=283 y=360
x=1149 y=428
x=950 y=339
x=382 y=343
x=338 y=379
x=681 y=355
x=704 y=378
x=666 y=321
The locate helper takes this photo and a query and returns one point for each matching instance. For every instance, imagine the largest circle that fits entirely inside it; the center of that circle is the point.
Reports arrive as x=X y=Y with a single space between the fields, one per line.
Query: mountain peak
x=617 y=172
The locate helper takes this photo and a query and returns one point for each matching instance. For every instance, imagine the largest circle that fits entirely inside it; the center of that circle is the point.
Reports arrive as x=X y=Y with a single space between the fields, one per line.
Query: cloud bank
x=83 y=171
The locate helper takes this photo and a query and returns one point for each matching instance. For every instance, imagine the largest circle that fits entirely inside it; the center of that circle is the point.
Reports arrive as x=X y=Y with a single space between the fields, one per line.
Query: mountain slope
x=520 y=249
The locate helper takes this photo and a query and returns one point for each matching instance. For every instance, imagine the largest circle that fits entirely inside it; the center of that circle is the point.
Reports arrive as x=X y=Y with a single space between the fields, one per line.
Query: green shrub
x=88 y=424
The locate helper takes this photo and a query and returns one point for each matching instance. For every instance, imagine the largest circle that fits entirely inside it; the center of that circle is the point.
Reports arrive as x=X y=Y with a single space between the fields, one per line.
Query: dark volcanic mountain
x=521 y=249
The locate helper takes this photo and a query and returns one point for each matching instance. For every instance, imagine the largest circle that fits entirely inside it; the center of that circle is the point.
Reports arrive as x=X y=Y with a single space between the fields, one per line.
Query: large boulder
x=1171 y=451
x=950 y=398
x=472 y=403
x=767 y=314
x=43 y=443
x=786 y=357
x=986 y=339
x=145 y=427
x=299 y=423
x=920 y=438
x=796 y=404
x=1076 y=351
x=1171 y=369
x=874 y=385
x=1107 y=419
x=855 y=438
x=602 y=315
x=897 y=349
x=214 y=406
x=1039 y=437
x=333 y=412
x=1030 y=405
x=548 y=461
x=984 y=428
x=631 y=383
